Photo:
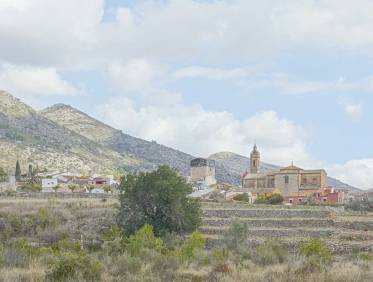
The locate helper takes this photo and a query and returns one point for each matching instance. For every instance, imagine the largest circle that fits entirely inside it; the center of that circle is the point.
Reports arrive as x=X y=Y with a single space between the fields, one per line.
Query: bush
x=79 y=266
x=241 y=197
x=195 y=243
x=235 y=238
x=318 y=255
x=364 y=204
x=271 y=199
x=160 y=199
x=270 y=253
x=143 y=239
x=31 y=187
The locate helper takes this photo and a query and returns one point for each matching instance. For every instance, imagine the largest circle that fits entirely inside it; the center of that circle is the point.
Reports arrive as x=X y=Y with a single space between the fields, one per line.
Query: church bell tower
x=254 y=160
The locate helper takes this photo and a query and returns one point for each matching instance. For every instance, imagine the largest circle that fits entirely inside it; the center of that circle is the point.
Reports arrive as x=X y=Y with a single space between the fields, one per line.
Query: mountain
x=32 y=138
x=152 y=154
x=238 y=164
x=64 y=138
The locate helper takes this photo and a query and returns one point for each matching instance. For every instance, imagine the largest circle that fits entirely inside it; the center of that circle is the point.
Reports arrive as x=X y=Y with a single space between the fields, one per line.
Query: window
x=254 y=163
x=314 y=180
x=304 y=180
x=286 y=179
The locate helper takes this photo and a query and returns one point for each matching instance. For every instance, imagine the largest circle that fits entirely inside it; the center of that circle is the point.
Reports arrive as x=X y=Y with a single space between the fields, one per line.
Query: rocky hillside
x=32 y=138
x=238 y=164
x=64 y=138
x=152 y=154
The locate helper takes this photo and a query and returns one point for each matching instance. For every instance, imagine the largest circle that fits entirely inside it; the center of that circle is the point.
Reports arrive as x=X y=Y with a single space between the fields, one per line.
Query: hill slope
x=30 y=137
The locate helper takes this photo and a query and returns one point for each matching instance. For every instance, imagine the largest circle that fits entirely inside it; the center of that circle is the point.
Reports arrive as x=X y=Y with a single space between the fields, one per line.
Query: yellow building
x=287 y=180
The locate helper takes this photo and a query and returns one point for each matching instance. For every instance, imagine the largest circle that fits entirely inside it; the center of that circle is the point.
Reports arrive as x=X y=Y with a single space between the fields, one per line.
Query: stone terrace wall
x=265 y=213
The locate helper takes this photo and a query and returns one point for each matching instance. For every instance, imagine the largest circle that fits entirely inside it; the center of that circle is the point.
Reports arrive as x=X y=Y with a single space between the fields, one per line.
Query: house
x=47 y=184
x=322 y=196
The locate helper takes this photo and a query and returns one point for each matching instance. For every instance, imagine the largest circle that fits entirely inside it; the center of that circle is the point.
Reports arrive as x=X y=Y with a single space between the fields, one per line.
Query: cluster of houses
x=296 y=185
x=72 y=182
x=65 y=182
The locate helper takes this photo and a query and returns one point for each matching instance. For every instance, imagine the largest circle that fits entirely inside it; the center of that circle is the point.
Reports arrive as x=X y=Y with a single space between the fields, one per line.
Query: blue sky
x=206 y=76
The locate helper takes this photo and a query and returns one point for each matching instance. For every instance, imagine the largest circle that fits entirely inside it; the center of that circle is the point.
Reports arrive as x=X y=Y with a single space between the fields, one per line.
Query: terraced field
x=343 y=232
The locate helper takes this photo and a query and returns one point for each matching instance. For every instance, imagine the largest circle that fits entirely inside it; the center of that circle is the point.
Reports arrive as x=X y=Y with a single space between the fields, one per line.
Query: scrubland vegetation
x=146 y=257
x=89 y=240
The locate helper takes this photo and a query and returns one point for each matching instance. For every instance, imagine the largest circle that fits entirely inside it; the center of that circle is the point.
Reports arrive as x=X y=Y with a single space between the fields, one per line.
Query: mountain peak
x=13 y=107
x=57 y=106
x=79 y=122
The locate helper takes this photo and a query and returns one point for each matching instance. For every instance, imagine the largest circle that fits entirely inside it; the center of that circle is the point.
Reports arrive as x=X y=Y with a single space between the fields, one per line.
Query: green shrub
x=271 y=199
x=235 y=238
x=244 y=197
x=31 y=187
x=143 y=239
x=188 y=251
x=79 y=266
x=113 y=233
x=46 y=218
x=270 y=253
x=318 y=255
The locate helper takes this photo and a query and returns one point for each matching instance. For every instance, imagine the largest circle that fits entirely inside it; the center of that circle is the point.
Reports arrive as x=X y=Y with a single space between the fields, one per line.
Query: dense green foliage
x=318 y=255
x=18 y=171
x=272 y=199
x=159 y=198
x=244 y=197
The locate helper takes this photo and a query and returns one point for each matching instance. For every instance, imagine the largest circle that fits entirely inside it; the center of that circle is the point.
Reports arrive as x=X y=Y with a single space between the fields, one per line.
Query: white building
x=47 y=184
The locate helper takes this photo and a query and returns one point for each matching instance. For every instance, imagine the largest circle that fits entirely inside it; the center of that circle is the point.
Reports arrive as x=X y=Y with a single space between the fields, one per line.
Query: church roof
x=291 y=167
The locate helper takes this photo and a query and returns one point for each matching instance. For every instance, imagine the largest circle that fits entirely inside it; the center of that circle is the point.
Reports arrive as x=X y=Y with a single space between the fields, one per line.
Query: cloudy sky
x=206 y=76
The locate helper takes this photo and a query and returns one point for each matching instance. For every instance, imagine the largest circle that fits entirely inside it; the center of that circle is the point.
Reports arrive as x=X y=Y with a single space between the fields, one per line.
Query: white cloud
x=25 y=81
x=358 y=173
x=195 y=130
x=136 y=75
x=354 y=110
x=45 y=32
x=212 y=73
x=71 y=33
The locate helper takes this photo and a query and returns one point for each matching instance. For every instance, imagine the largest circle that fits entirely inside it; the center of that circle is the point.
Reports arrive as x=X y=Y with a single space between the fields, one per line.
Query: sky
x=206 y=76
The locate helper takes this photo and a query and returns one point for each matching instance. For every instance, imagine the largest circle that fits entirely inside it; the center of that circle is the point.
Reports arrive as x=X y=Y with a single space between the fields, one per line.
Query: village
x=290 y=185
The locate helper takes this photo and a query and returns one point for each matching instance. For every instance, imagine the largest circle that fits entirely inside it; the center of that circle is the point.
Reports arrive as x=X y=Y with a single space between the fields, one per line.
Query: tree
x=55 y=188
x=30 y=170
x=72 y=187
x=160 y=199
x=107 y=188
x=3 y=174
x=18 y=171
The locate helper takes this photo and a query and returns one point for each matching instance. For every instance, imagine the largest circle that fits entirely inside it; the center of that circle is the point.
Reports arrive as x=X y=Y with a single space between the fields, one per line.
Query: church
x=287 y=180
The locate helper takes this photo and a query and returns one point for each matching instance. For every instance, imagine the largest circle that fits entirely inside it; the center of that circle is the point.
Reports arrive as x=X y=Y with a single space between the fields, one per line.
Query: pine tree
x=18 y=171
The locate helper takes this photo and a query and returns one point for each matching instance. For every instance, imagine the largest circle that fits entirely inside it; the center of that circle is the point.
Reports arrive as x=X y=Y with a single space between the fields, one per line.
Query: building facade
x=202 y=172
x=286 y=180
